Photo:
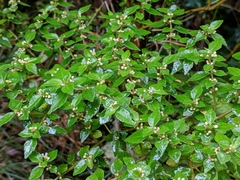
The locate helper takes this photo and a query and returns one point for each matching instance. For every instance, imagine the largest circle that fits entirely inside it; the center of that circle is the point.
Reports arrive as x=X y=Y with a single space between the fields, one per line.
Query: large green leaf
x=36 y=173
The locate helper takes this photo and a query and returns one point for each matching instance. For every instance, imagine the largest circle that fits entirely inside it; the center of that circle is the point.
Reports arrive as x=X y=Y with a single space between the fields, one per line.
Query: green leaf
x=196 y=92
x=32 y=68
x=36 y=173
x=52 y=155
x=236 y=56
x=131 y=45
x=57 y=130
x=30 y=35
x=161 y=145
x=154 y=118
x=84 y=9
x=222 y=140
x=29 y=147
x=202 y=176
x=40 y=47
x=6 y=118
x=57 y=101
x=131 y=10
x=89 y=94
x=97 y=134
x=216 y=24
x=139 y=135
x=208 y=165
x=79 y=167
x=169 y=59
x=236 y=109
x=34 y=101
x=116 y=166
x=197 y=76
x=234 y=71
x=175 y=154
x=215 y=45
x=5 y=41
x=68 y=88
x=53 y=82
x=223 y=157
x=84 y=134
x=15 y=104
x=124 y=116
x=210 y=116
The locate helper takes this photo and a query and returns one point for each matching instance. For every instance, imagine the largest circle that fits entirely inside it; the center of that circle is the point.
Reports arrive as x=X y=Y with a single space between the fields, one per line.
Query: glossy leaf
x=6 y=118
x=29 y=147
x=57 y=101
x=116 y=166
x=124 y=116
x=175 y=154
x=80 y=167
x=36 y=173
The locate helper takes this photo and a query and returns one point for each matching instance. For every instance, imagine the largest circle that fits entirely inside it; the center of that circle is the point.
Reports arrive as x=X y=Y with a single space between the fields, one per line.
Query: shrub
x=137 y=85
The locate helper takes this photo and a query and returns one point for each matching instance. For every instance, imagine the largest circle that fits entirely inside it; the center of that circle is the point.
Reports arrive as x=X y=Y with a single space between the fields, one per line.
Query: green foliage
x=174 y=107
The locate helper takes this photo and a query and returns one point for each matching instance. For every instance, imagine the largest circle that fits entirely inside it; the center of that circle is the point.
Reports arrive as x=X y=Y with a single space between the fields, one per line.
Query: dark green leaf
x=36 y=173
x=5 y=41
x=131 y=45
x=29 y=147
x=57 y=101
x=6 y=118
x=79 y=167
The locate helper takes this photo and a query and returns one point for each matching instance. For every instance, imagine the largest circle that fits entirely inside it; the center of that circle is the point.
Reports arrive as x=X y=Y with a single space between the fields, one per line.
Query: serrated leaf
x=84 y=9
x=215 y=45
x=36 y=173
x=57 y=101
x=6 y=118
x=131 y=45
x=124 y=116
x=234 y=71
x=29 y=147
x=80 y=167
x=236 y=56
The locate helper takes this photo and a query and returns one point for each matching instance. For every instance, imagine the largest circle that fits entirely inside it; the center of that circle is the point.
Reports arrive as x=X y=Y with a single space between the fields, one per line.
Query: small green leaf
x=154 y=118
x=210 y=116
x=84 y=134
x=196 y=92
x=5 y=41
x=6 y=118
x=52 y=155
x=208 y=165
x=15 y=104
x=29 y=147
x=30 y=35
x=89 y=94
x=32 y=68
x=124 y=116
x=223 y=157
x=79 y=167
x=222 y=140
x=202 y=176
x=236 y=109
x=139 y=135
x=34 y=101
x=169 y=59
x=131 y=45
x=36 y=173
x=116 y=166
x=57 y=101
x=161 y=145
x=68 y=88
x=216 y=24
x=84 y=9
x=215 y=45
x=97 y=134
x=53 y=82
x=175 y=154
x=236 y=56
